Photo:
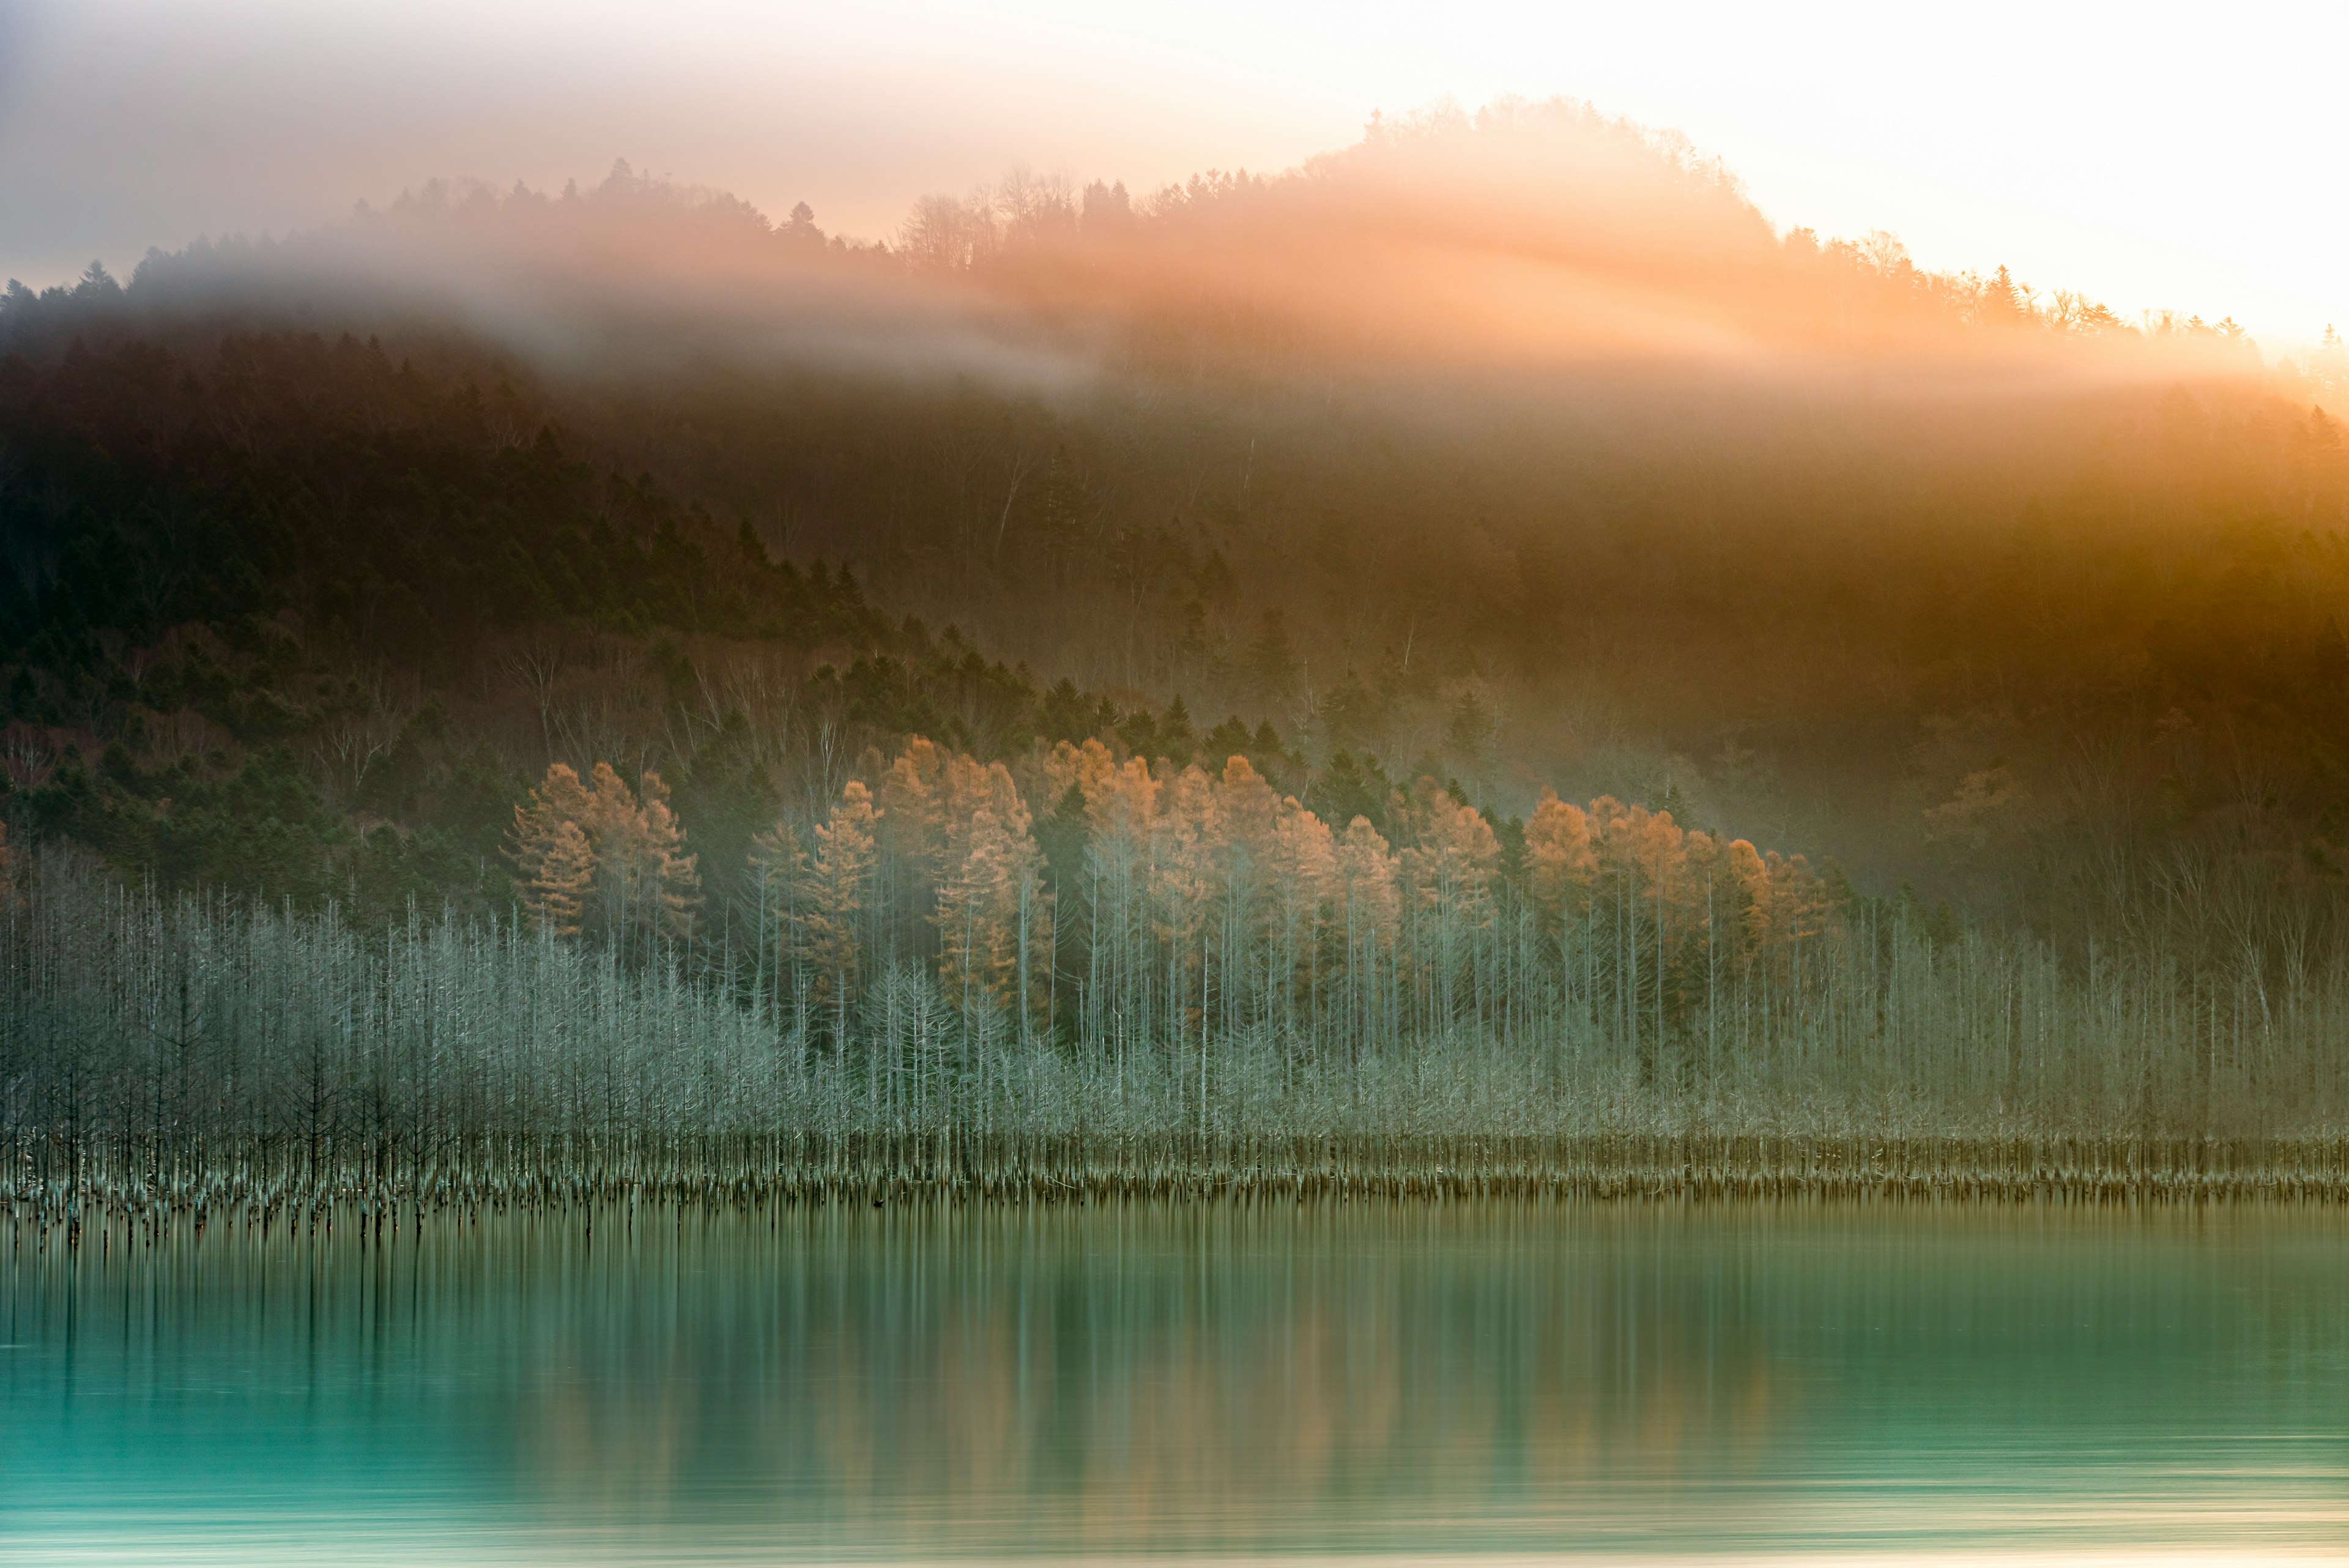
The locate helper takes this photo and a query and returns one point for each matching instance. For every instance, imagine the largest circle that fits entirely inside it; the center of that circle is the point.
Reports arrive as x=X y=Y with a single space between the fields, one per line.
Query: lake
x=1631 y=1381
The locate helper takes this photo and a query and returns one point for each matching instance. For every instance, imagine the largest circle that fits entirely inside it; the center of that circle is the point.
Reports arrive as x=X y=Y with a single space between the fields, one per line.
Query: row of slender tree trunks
x=175 y=1054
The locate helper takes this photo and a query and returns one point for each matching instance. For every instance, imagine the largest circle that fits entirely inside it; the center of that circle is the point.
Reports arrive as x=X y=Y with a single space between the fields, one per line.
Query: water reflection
x=1351 y=1378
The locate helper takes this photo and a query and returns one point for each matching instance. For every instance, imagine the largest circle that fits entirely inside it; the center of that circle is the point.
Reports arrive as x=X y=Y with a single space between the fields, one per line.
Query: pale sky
x=2151 y=155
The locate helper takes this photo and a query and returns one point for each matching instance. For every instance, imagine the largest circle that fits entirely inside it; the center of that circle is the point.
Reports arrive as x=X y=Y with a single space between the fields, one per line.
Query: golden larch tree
x=557 y=891
x=845 y=852
x=558 y=801
x=984 y=907
x=1558 y=861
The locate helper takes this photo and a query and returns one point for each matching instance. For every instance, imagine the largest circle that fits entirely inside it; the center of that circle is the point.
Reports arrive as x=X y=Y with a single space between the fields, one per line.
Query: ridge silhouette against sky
x=2157 y=159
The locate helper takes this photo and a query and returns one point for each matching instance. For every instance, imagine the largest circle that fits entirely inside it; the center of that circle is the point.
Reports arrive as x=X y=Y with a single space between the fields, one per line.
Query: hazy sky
x=2151 y=154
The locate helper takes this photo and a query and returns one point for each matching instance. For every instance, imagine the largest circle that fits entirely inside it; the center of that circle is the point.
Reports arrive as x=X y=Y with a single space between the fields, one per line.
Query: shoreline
x=855 y=1171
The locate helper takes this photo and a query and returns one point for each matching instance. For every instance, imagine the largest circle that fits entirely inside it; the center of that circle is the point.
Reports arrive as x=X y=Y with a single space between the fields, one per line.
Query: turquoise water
x=1257 y=1383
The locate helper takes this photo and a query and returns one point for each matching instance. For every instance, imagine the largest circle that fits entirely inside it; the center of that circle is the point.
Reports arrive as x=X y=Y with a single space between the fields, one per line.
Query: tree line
x=1227 y=997
x=307 y=611
x=1170 y=961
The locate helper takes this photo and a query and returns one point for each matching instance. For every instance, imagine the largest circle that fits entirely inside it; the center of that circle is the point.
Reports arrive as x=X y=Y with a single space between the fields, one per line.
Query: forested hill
x=304 y=620
x=2029 y=626
x=1477 y=635
x=290 y=474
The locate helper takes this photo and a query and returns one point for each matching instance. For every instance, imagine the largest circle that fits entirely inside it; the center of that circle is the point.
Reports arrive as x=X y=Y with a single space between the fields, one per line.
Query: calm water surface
x=1349 y=1379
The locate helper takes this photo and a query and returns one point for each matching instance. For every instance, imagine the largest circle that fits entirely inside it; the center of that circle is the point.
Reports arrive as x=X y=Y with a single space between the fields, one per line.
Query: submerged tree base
x=283 y=1190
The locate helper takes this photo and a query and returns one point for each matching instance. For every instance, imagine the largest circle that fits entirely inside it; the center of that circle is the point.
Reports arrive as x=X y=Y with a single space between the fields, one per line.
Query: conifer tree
x=1302 y=866
x=1448 y=870
x=845 y=857
x=628 y=869
x=615 y=827
x=912 y=812
x=557 y=801
x=1558 y=861
x=984 y=909
x=672 y=875
x=559 y=888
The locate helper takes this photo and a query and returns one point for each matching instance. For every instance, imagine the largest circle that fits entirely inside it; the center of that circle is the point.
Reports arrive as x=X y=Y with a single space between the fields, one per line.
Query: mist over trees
x=1523 y=235
x=839 y=615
